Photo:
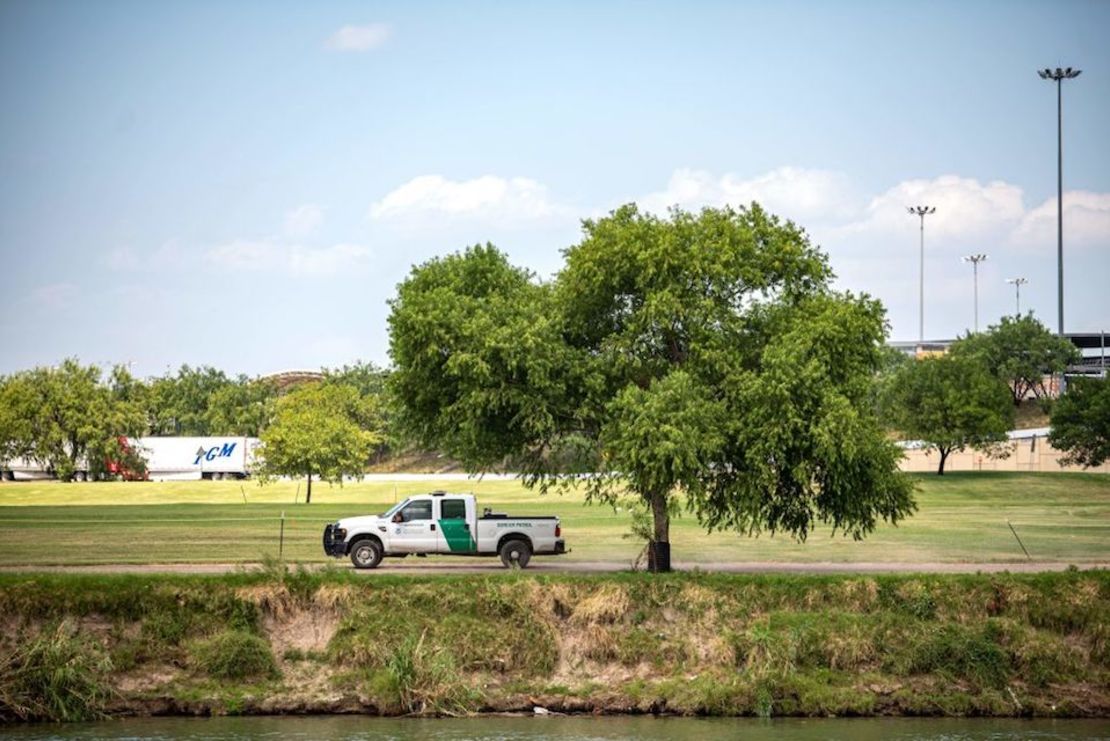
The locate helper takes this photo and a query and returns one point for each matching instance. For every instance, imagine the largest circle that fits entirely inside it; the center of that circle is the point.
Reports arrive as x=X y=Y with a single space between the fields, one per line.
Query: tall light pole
x=975 y=260
x=1017 y=283
x=1058 y=76
x=922 y=212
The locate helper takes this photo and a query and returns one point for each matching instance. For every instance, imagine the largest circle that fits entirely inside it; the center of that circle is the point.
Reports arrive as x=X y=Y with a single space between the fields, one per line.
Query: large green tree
x=182 y=404
x=315 y=433
x=701 y=354
x=68 y=418
x=950 y=403
x=1022 y=352
x=369 y=381
x=1081 y=422
x=243 y=407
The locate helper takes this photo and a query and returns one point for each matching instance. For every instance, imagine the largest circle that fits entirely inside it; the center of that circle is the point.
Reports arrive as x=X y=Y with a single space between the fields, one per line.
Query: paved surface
x=418 y=567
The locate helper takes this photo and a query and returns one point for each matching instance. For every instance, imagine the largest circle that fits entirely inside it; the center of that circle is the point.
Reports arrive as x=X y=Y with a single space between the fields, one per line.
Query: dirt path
x=492 y=566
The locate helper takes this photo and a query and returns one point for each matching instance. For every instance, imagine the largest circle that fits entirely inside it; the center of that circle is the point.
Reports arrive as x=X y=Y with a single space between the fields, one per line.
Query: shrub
x=235 y=654
x=57 y=676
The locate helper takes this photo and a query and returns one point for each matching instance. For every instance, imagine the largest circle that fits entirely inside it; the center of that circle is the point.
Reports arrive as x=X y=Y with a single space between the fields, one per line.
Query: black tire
x=366 y=553
x=516 y=552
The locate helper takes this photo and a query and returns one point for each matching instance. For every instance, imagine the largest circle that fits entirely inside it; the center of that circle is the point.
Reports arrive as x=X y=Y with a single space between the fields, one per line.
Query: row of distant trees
x=966 y=398
x=66 y=416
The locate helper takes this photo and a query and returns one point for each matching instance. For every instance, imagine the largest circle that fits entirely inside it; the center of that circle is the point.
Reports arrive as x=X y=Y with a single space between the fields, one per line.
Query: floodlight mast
x=921 y=212
x=1017 y=283
x=975 y=260
x=1058 y=75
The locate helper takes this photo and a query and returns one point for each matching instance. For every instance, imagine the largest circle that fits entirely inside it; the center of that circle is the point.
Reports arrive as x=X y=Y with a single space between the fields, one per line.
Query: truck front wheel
x=515 y=553
x=366 y=554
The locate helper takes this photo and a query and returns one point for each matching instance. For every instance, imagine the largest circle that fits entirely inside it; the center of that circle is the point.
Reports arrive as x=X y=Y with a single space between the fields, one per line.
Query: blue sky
x=243 y=184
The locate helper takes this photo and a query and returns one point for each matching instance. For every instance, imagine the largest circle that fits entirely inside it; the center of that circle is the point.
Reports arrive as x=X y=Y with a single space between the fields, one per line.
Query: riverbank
x=78 y=646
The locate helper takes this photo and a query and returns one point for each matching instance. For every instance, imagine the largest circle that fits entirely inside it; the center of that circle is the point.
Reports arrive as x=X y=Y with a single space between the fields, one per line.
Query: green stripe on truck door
x=458 y=536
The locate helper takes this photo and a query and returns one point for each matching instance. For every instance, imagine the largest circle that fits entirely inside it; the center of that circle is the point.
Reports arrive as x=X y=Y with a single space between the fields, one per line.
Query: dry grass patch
x=273 y=600
x=333 y=597
x=608 y=603
x=856 y=595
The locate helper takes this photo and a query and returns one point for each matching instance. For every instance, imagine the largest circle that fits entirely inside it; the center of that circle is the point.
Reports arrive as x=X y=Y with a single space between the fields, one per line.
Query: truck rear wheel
x=366 y=553
x=515 y=553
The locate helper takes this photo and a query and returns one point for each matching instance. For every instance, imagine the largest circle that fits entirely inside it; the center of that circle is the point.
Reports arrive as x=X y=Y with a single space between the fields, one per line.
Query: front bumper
x=335 y=541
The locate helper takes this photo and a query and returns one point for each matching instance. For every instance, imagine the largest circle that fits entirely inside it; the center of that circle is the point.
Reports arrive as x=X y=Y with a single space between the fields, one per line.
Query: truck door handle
x=433 y=527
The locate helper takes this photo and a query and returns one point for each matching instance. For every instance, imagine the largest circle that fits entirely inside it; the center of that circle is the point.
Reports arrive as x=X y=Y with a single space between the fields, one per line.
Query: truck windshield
x=393 y=510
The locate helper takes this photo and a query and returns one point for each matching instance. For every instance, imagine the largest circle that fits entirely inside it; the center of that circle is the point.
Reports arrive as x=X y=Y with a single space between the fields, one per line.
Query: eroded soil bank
x=287 y=641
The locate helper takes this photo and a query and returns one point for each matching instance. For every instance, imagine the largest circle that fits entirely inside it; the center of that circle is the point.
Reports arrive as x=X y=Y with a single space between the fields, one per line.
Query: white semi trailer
x=168 y=459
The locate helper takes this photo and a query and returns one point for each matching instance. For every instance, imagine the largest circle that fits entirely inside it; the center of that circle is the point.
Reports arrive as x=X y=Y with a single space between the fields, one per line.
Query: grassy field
x=961 y=518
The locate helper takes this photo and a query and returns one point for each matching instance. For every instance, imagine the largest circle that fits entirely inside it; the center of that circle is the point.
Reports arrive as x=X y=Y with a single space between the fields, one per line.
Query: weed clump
x=57 y=676
x=235 y=654
x=422 y=679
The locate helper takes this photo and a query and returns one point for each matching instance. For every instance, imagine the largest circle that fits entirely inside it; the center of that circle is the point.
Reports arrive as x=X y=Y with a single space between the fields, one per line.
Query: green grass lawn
x=961 y=517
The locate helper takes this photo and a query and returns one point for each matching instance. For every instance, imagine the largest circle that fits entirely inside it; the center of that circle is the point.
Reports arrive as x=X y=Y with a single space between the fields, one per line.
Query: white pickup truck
x=442 y=523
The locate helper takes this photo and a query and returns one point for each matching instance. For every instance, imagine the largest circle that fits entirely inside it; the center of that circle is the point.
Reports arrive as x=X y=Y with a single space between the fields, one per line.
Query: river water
x=576 y=728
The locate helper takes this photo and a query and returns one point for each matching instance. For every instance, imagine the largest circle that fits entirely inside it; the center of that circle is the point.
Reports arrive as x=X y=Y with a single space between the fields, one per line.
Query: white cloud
x=303 y=220
x=266 y=255
x=170 y=255
x=796 y=193
x=1086 y=221
x=359 y=38
x=965 y=208
x=55 y=296
x=496 y=200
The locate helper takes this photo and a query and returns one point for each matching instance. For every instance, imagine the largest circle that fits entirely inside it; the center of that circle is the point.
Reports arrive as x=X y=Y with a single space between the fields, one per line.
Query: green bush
x=957 y=651
x=234 y=654
x=58 y=676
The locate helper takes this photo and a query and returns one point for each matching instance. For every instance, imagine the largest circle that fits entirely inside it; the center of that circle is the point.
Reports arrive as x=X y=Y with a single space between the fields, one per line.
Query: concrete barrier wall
x=1029 y=454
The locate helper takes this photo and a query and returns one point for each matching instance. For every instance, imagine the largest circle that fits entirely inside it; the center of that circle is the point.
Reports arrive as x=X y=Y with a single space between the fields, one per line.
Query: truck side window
x=453 y=509
x=417 y=511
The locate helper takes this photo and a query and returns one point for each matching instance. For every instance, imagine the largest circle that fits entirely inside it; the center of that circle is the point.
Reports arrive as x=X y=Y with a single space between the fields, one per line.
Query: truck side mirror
x=397 y=518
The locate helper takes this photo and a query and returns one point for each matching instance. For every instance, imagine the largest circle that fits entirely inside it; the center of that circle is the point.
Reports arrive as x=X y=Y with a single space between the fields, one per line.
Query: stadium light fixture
x=975 y=260
x=921 y=212
x=1058 y=76
x=1017 y=284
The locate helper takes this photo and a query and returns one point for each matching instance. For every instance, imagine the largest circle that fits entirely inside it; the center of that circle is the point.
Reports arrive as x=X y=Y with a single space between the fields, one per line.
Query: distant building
x=287 y=379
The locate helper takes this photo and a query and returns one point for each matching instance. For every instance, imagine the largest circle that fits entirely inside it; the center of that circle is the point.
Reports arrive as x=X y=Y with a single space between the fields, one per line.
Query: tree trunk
x=659 y=549
x=943 y=457
x=308 y=494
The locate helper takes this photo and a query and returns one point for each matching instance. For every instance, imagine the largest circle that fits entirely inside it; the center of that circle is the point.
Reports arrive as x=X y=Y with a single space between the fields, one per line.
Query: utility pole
x=922 y=212
x=1058 y=75
x=975 y=260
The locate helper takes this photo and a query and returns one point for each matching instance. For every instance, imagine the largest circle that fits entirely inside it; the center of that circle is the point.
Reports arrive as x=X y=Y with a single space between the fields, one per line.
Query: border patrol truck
x=442 y=523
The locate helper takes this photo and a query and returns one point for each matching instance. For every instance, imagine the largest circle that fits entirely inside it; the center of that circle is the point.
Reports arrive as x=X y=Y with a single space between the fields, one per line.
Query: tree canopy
x=181 y=404
x=1022 y=352
x=950 y=402
x=68 y=418
x=1081 y=422
x=698 y=353
x=316 y=433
